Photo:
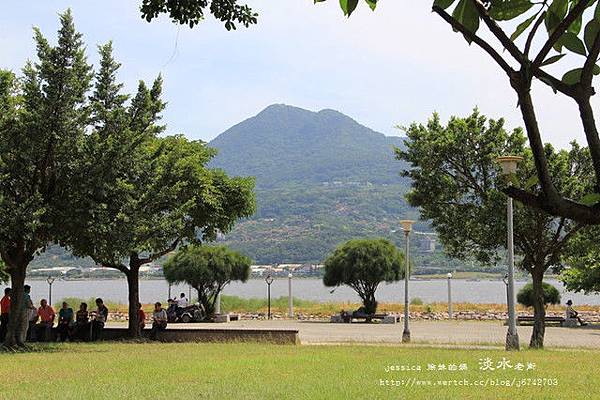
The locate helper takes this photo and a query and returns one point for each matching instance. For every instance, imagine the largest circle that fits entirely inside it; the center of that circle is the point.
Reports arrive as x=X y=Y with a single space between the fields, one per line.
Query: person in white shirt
x=183 y=301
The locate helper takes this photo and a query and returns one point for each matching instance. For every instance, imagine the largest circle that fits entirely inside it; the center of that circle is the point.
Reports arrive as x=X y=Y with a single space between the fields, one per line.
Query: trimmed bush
x=525 y=295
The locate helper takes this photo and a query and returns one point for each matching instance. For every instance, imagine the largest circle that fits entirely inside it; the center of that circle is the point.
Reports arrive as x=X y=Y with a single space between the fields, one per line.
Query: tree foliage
x=457 y=186
x=139 y=194
x=191 y=12
x=583 y=260
x=363 y=264
x=525 y=296
x=208 y=269
x=572 y=32
x=43 y=118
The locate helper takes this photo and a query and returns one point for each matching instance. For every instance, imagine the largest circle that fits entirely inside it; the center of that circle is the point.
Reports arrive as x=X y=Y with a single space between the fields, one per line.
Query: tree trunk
x=539 y=310
x=370 y=303
x=209 y=306
x=17 y=281
x=133 y=286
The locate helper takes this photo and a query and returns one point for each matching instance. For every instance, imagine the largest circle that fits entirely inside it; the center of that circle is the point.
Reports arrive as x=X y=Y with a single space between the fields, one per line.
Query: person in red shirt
x=47 y=315
x=4 y=311
x=141 y=317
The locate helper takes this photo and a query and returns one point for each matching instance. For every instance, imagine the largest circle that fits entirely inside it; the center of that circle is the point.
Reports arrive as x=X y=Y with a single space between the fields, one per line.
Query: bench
x=529 y=319
x=348 y=317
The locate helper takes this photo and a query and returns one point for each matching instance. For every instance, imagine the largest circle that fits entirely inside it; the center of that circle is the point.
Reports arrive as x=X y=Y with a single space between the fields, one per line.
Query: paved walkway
x=433 y=332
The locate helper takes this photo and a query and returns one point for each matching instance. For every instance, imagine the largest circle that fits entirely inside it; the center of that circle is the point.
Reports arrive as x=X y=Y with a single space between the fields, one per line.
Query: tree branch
x=499 y=33
x=532 y=33
x=161 y=253
x=563 y=207
x=575 y=13
x=474 y=38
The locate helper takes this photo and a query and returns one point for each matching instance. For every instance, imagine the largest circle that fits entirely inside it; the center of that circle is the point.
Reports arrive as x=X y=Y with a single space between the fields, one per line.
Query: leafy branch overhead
x=572 y=28
x=190 y=13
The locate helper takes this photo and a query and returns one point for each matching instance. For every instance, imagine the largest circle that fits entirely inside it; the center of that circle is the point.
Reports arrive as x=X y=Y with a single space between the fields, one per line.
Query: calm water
x=312 y=289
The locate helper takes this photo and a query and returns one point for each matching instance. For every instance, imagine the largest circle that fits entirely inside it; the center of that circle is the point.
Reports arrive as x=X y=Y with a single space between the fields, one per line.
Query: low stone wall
x=274 y=336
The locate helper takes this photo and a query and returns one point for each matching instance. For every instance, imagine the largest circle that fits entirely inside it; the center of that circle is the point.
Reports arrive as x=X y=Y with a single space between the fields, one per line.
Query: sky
x=391 y=67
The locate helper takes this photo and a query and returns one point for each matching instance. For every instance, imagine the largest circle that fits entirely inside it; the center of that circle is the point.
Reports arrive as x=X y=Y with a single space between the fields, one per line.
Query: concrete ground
x=489 y=333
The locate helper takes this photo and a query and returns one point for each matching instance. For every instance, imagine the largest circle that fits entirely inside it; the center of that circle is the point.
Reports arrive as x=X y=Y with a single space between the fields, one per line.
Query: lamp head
x=407 y=225
x=449 y=275
x=269 y=279
x=50 y=280
x=509 y=164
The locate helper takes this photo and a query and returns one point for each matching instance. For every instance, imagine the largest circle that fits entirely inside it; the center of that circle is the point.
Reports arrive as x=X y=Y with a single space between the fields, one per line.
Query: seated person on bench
x=46 y=315
x=65 y=322
x=159 y=320
x=571 y=313
x=81 y=328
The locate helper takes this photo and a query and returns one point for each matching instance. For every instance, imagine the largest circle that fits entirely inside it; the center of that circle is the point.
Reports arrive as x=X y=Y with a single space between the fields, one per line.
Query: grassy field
x=254 y=371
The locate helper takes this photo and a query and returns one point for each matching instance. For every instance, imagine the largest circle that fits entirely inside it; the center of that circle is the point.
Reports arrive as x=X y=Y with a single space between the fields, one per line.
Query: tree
x=527 y=296
x=583 y=260
x=207 y=269
x=192 y=12
x=138 y=195
x=457 y=187
x=363 y=264
x=42 y=120
x=563 y=20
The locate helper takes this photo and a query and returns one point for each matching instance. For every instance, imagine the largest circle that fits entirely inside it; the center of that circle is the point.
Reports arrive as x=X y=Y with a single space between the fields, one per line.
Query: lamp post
x=406 y=227
x=50 y=281
x=449 y=295
x=290 y=298
x=218 y=304
x=269 y=280
x=509 y=167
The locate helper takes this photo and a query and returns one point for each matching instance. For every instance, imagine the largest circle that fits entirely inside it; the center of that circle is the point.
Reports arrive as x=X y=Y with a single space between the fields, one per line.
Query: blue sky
x=394 y=66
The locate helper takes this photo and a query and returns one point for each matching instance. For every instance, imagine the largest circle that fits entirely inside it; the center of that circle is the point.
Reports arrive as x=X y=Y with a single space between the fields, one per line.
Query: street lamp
x=50 y=281
x=449 y=295
x=290 y=298
x=269 y=280
x=509 y=167
x=406 y=227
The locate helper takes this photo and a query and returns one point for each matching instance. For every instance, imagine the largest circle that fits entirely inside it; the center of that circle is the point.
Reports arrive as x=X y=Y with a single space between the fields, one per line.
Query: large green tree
x=208 y=269
x=141 y=195
x=457 y=186
x=43 y=117
x=363 y=264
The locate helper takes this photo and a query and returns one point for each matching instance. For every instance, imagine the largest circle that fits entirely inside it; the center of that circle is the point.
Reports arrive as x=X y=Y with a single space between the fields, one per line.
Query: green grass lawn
x=256 y=371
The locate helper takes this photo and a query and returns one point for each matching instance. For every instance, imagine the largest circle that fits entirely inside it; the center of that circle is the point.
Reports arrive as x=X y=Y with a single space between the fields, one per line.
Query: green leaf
x=573 y=43
x=372 y=4
x=531 y=182
x=572 y=77
x=556 y=12
x=590 y=199
x=348 y=6
x=521 y=27
x=504 y=10
x=590 y=33
x=466 y=13
x=443 y=4
x=552 y=60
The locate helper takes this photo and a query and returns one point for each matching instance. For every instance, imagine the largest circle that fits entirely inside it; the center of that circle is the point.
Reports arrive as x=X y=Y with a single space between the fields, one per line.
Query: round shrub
x=551 y=295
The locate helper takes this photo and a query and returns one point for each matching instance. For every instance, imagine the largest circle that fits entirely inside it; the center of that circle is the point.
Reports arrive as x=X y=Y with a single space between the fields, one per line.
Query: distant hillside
x=322 y=178
x=285 y=145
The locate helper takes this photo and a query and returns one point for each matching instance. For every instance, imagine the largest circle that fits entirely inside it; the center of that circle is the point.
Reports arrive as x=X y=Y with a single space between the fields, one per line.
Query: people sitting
x=99 y=318
x=141 y=317
x=46 y=316
x=81 y=328
x=4 y=312
x=159 y=320
x=65 y=322
x=571 y=313
x=182 y=302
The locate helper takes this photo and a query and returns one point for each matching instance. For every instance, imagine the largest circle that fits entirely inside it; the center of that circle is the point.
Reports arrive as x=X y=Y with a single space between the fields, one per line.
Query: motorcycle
x=191 y=313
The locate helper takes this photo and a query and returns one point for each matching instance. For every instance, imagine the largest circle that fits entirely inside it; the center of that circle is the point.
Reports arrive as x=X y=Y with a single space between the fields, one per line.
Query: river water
x=484 y=291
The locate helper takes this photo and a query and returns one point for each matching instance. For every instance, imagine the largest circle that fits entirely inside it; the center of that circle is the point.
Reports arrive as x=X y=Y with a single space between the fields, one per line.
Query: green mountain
x=322 y=178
